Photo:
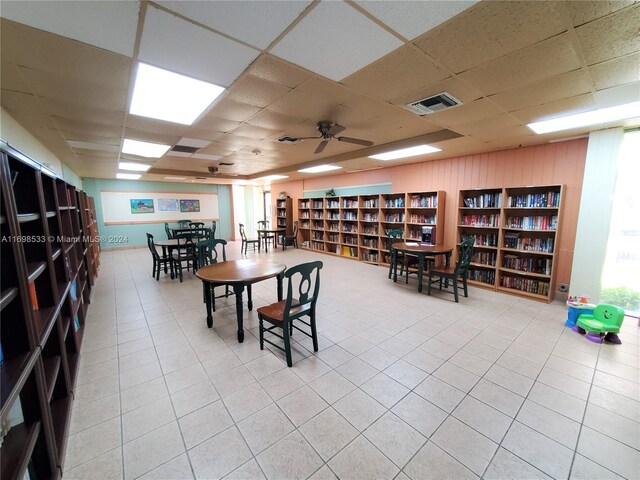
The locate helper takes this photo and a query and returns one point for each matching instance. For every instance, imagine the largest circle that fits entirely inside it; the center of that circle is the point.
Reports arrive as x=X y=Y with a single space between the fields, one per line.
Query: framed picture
x=144 y=205
x=189 y=206
x=167 y=204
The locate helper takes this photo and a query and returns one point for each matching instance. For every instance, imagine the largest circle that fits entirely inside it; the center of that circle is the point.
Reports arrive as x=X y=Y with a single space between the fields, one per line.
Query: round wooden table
x=238 y=274
x=420 y=251
x=265 y=232
x=170 y=245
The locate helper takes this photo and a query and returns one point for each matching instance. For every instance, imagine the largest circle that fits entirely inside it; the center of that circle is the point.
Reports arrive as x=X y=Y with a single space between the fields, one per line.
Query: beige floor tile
x=89 y=414
x=233 y=380
x=456 y=376
x=107 y=466
x=359 y=409
x=143 y=394
x=291 y=458
x=249 y=471
x=564 y=383
x=423 y=360
x=609 y=453
x=264 y=428
x=334 y=356
x=177 y=468
x=385 y=390
x=146 y=419
x=219 y=455
x=585 y=469
x=615 y=403
x=357 y=371
x=440 y=393
x=498 y=397
x=361 y=460
x=509 y=379
x=324 y=473
x=481 y=417
x=194 y=397
x=433 y=463
x=617 y=385
x=332 y=387
x=558 y=401
x=555 y=426
x=328 y=432
x=137 y=359
x=244 y=402
x=139 y=375
x=265 y=365
x=378 y=358
x=619 y=428
x=505 y=465
x=92 y=442
x=302 y=405
x=93 y=391
x=420 y=414
x=204 y=423
x=393 y=437
x=185 y=377
x=281 y=383
x=152 y=450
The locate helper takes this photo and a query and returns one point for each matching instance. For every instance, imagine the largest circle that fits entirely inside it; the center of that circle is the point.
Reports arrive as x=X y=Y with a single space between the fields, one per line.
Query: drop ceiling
x=67 y=71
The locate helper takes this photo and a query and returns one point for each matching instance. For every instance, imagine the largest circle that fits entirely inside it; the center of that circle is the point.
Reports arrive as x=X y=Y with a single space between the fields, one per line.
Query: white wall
x=594 y=217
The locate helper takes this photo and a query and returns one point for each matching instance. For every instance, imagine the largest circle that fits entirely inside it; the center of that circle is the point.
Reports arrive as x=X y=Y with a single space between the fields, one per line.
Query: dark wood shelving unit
x=42 y=325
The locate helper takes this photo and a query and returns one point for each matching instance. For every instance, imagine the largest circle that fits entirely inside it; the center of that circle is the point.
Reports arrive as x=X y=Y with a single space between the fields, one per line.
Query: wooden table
x=276 y=231
x=170 y=245
x=239 y=274
x=420 y=251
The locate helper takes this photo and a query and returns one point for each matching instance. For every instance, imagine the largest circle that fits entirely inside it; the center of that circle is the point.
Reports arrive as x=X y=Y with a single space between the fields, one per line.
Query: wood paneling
x=552 y=163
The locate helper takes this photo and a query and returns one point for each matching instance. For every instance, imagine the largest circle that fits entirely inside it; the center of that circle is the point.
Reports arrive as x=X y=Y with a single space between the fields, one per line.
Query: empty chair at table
x=160 y=261
x=455 y=277
x=187 y=251
x=293 y=238
x=184 y=223
x=268 y=237
x=212 y=232
x=168 y=231
x=210 y=252
x=246 y=241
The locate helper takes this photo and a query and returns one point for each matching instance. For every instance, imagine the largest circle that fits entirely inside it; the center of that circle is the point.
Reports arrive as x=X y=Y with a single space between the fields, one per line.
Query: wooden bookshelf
x=355 y=226
x=284 y=215
x=304 y=220
x=516 y=233
x=45 y=284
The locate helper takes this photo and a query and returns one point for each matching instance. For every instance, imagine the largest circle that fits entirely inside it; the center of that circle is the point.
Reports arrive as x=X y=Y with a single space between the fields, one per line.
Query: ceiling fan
x=328 y=130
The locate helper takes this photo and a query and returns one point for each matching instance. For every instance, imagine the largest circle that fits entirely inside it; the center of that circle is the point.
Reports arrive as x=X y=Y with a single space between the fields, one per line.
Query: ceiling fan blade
x=321 y=146
x=357 y=141
x=336 y=129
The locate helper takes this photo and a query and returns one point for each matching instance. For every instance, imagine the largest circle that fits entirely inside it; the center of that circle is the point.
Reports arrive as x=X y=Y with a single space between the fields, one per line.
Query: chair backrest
x=196 y=225
x=609 y=314
x=295 y=229
x=307 y=278
x=242 y=234
x=263 y=224
x=184 y=223
x=152 y=246
x=208 y=253
x=393 y=236
x=213 y=229
x=466 y=254
x=168 y=231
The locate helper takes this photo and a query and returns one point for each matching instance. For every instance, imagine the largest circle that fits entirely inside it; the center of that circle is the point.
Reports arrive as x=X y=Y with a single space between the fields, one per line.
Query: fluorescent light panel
x=168 y=96
x=128 y=176
x=585 y=119
x=144 y=149
x=273 y=177
x=175 y=178
x=133 y=166
x=319 y=169
x=406 y=152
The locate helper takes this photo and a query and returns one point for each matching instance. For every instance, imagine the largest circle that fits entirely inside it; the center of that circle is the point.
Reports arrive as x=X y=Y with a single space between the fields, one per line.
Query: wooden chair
x=210 y=252
x=264 y=224
x=293 y=238
x=184 y=223
x=187 y=253
x=212 y=232
x=457 y=275
x=281 y=315
x=159 y=262
x=246 y=241
x=168 y=231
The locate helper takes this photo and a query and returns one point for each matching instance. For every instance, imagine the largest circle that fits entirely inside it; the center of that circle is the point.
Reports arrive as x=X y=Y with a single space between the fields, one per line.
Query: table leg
x=238 y=289
x=207 y=299
x=447 y=262
x=394 y=262
x=284 y=241
x=164 y=255
x=420 y=271
x=280 y=278
x=249 y=299
x=266 y=243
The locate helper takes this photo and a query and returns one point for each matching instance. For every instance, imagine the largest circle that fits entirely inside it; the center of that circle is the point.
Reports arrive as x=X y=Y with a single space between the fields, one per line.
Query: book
x=73 y=291
x=34 y=296
x=76 y=323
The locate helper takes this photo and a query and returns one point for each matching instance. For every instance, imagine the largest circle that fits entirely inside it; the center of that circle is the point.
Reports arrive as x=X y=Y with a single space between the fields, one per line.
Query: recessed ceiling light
x=585 y=119
x=406 y=152
x=319 y=169
x=175 y=178
x=134 y=167
x=128 y=176
x=144 y=149
x=168 y=96
x=272 y=177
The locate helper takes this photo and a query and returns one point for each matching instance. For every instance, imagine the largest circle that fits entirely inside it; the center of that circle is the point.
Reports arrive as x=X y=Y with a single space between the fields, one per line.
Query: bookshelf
x=304 y=220
x=45 y=290
x=284 y=215
x=355 y=226
x=516 y=233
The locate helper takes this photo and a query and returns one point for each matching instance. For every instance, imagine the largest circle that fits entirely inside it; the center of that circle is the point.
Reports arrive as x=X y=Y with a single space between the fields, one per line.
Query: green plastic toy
x=606 y=320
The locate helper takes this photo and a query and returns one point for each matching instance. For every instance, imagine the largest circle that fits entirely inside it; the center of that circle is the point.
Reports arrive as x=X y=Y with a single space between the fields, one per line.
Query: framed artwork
x=189 y=206
x=144 y=205
x=167 y=204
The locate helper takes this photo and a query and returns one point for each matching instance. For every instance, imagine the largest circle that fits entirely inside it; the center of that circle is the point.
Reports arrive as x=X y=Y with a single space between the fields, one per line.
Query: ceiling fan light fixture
x=405 y=152
x=319 y=169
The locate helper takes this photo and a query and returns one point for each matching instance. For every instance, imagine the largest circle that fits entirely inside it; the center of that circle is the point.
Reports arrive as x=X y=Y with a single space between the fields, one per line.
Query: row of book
x=394 y=217
x=525 y=285
x=421 y=201
x=317 y=246
x=346 y=203
x=513 y=240
x=484 y=276
x=333 y=226
x=485 y=240
x=368 y=256
x=533 y=265
x=349 y=228
x=317 y=235
x=480 y=220
x=333 y=216
x=373 y=203
x=370 y=230
x=303 y=215
x=349 y=240
x=394 y=202
x=304 y=204
x=415 y=218
x=533 y=222
x=333 y=237
x=318 y=215
x=370 y=242
x=333 y=204
x=349 y=216
x=486 y=200
x=305 y=225
x=535 y=200
x=370 y=217
x=349 y=251
x=485 y=258
x=317 y=204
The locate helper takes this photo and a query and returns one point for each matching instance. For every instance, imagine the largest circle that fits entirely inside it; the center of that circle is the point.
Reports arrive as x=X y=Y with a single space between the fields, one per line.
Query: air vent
x=226 y=164
x=185 y=149
x=433 y=104
x=289 y=140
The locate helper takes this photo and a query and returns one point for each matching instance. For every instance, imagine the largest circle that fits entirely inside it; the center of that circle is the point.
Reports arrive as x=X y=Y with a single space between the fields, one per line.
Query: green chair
x=184 y=223
x=282 y=314
x=394 y=236
x=212 y=232
x=246 y=241
x=605 y=320
x=168 y=231
x=455 y=276
x=268 y=238
x=210 y=252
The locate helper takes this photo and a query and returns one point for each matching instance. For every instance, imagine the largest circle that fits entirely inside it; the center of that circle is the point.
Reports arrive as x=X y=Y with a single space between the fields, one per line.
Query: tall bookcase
x=284 y=214
x=44 y=296
x=516 y=231
x=355 y=226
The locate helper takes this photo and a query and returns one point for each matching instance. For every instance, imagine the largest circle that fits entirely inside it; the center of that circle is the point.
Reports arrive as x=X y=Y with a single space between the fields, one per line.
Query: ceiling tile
x=303 y=105
x=452 y=85
x=67 y=125
x=279 y=71
x=79 y=145
x=555 y=88
x=466 y=113
x=83 y=21
x=145 y=136
x=240 y=19
x=586 y=11
x=63 y=108
x=193 y=142
x=402 y=71
x=231 y=110
x=411 y=18
x=11 y=80
x=182 y=47
x=256 y=91
x=152 y=125
x=254 y=132
x=335 y=40
x=610 y=37
x=581 y=103
x=274 y=120
x=493 y=128
x=490 y=30
x=616 y=72
x=542 y=60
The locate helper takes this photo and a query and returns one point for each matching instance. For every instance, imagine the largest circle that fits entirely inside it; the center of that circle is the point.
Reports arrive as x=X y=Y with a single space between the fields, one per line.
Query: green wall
x=71 y=177
x=364 y=190
x=136 y=234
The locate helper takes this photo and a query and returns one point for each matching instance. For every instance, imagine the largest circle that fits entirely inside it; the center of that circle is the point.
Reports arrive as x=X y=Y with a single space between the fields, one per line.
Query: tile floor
x=404 y=385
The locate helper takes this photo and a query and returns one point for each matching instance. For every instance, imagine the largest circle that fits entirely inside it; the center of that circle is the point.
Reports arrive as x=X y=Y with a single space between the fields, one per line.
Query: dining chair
x=210 y=252
x=159 y=261
x=293 y=238
x=246 y=241
x=212 y=232
x=455 y=276
x=264 y=225
x=168 y=231
x=187 y=252
x=281 y=315
x=184 y=223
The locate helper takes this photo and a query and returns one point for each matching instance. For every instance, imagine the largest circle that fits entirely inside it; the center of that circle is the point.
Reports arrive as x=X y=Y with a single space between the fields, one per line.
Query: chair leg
x=287 y=345
x=314 y=332
x=454 y=284
x=429 y=278
x=464 y=283
x=261 y=328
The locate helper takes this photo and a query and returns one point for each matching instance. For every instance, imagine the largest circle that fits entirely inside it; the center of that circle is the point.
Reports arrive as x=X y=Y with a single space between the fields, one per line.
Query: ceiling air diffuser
x=435 y=103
